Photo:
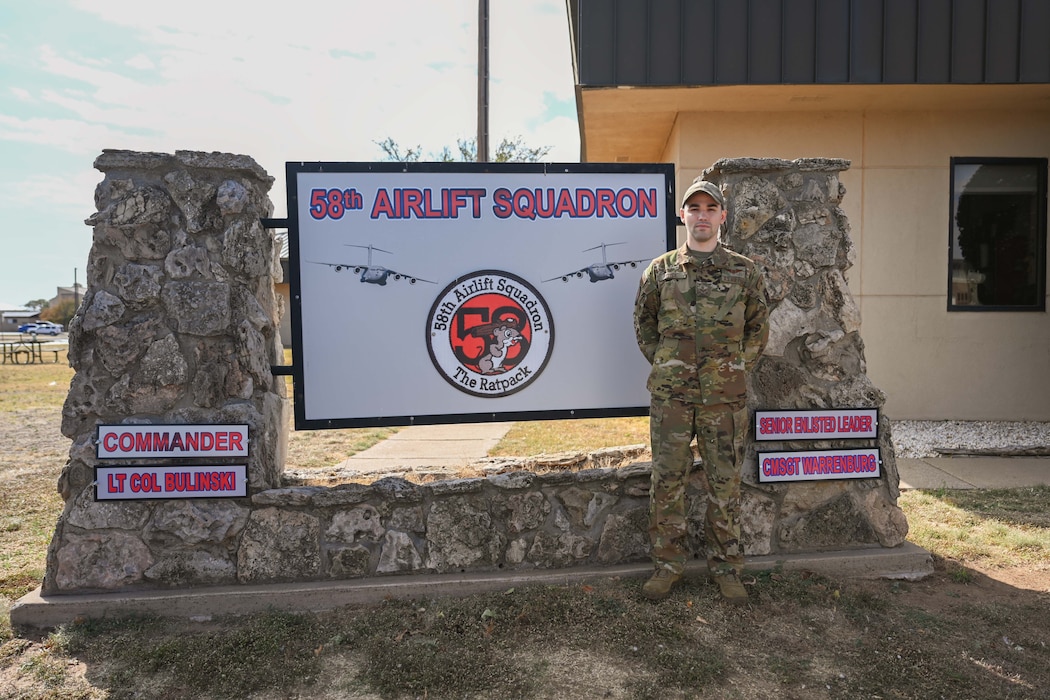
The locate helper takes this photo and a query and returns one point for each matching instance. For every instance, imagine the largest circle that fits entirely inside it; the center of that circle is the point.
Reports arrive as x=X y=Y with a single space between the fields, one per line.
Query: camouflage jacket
x=702 y=327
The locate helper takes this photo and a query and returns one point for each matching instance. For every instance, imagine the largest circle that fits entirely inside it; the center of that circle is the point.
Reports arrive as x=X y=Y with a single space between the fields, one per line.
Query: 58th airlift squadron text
x=522 y=203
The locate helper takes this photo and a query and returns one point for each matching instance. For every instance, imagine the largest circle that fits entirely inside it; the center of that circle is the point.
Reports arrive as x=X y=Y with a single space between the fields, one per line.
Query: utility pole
x=483 y=81
x=76 y=292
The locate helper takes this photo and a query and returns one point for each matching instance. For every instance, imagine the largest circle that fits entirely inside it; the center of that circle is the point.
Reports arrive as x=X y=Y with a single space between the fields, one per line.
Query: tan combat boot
x=731 y=588
x=659 y=584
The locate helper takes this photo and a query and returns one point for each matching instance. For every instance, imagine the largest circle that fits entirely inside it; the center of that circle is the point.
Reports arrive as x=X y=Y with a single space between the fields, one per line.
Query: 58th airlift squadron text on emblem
x=490 y=334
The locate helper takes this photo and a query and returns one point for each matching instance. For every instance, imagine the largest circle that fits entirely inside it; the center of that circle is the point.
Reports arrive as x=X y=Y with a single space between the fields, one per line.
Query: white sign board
x=819 y=465
x=444 y=293
x=827 y=424
x=155 y=441
x=146 y=482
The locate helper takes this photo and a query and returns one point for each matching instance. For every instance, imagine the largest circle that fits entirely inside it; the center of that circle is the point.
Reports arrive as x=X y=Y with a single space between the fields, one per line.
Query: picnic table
x=24 y=352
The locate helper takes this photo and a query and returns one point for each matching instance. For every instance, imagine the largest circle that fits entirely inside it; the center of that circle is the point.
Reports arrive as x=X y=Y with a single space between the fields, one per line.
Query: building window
x=998 y=235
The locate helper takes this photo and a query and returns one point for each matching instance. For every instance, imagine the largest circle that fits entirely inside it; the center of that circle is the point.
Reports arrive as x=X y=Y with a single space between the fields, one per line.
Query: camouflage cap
x=707 y=187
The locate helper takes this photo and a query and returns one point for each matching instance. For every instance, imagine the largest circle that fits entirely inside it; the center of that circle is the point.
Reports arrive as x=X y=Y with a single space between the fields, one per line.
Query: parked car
x=40 y=328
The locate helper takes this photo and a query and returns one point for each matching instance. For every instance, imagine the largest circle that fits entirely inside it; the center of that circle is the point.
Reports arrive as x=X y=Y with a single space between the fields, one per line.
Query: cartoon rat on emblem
x=501 y=336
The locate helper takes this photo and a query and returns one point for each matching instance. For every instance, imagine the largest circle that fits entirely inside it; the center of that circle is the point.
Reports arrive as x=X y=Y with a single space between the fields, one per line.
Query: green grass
x=991 y=528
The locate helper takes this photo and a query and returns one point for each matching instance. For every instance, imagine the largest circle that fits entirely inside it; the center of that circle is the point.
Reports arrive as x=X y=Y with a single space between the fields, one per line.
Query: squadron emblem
x=490 y=334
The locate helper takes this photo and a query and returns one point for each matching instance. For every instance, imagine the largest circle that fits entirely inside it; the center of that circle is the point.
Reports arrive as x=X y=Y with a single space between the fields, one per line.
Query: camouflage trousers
x=720 y=431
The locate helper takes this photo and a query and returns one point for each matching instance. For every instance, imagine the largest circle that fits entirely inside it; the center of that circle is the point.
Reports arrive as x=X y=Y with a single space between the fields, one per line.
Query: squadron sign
x=430 y=293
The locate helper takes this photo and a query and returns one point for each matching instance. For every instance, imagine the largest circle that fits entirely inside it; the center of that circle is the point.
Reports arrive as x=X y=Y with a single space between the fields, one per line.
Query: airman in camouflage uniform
x=701 y=319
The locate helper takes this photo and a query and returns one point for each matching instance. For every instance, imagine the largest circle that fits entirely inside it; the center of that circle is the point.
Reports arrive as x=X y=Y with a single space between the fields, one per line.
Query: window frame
x=1040 y=223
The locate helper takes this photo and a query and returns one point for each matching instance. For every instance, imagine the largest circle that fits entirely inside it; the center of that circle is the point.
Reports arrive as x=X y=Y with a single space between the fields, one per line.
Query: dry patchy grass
x=803 y=636
x=552 y=436
x=34 y=386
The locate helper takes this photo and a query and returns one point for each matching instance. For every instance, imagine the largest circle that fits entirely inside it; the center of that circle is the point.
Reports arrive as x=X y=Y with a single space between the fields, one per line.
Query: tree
x=392 y=151
x=508 y=151
x=36 y=304
x=59 y=313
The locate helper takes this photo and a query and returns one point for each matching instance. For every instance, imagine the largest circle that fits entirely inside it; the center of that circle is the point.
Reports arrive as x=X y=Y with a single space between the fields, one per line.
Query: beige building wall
x=932 y=364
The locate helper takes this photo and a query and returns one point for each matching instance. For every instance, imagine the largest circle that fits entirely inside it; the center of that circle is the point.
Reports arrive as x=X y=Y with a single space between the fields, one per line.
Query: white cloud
x=69 y=135
x=564 y=134
x=320 y=80
x=76 y=193
x=140 y=62
x=225 y=69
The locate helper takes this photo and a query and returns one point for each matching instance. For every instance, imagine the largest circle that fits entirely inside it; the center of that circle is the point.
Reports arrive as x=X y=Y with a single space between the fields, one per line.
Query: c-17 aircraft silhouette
x=599 y=271
x=372 y=274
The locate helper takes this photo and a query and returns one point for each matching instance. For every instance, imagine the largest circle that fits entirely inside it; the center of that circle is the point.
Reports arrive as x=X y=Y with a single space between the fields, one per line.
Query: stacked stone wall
x=785 y=215
x=179 y=326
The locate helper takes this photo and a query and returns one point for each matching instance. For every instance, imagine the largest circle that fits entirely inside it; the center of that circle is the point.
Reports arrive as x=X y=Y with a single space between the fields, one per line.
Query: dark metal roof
x=804 y=42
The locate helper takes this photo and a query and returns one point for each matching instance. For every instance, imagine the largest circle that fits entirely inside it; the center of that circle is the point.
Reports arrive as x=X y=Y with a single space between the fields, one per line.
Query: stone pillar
x=785 y=215
x=178 y=325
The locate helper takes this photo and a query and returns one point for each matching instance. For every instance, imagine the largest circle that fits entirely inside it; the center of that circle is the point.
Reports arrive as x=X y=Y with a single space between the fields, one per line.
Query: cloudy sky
x=302 y=81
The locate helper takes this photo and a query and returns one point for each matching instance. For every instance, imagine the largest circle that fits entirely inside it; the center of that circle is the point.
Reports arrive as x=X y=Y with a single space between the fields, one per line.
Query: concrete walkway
x=974 y=472
x=428 y=446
